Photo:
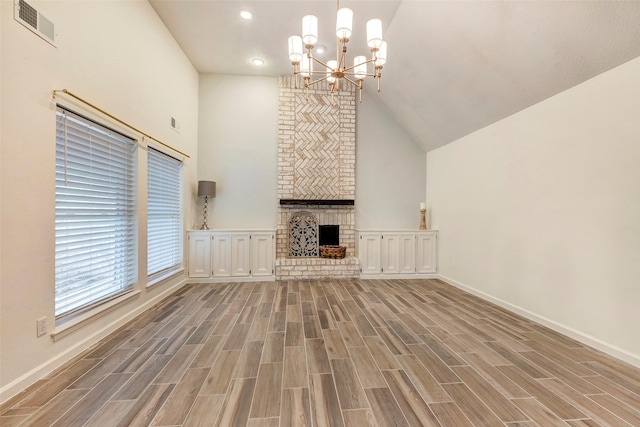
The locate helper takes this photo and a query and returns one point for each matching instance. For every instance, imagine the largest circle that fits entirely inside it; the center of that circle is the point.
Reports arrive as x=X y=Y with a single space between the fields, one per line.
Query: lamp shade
x=295 y=49
x=344 y=22
x=206 y=189
x=381 y=55
x=374 y=33
x=310 y=29
x=306 y=67
x=360 y=67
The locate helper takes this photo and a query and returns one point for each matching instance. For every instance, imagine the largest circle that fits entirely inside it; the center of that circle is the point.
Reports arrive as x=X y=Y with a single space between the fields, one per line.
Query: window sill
x=69 y=326
x=163 y=277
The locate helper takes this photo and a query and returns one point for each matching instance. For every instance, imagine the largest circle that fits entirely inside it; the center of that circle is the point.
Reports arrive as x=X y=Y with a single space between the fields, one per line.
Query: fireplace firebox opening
x=328 y=235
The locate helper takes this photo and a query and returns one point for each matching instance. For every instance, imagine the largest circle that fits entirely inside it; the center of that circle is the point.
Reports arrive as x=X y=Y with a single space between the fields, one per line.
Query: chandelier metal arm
x=318 y=73
x=348 y=69
x=357 y=84
x=319 y=62
x=342 y=59
x=307 y=84
x=341 y=63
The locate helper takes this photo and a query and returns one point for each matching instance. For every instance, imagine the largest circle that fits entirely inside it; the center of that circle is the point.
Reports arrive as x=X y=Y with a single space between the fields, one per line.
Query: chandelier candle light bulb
x=334 y=71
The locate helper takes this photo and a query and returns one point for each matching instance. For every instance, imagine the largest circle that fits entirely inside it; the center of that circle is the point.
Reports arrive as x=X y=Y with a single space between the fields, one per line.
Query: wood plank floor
x=332 y=353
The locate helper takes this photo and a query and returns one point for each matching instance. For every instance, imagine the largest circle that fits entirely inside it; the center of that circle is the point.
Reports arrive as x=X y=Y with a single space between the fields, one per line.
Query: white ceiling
x=453 y=66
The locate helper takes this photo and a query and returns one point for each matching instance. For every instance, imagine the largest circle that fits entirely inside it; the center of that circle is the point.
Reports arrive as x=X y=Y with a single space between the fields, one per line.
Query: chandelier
x=337 y=70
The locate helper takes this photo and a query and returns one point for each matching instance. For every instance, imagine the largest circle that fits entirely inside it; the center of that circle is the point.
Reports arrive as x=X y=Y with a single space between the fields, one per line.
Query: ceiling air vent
x=34 y=20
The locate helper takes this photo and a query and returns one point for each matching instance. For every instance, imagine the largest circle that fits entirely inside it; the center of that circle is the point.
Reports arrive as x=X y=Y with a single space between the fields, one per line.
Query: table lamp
x=206 y=189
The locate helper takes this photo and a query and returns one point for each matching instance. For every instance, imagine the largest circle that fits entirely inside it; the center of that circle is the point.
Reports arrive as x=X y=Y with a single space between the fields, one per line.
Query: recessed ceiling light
x=245 y=14
x=321 y=48
x=257 y=61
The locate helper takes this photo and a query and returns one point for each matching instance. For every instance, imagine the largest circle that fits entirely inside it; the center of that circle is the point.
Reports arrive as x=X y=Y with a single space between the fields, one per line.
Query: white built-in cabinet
x=231 y=255
x=397 y=253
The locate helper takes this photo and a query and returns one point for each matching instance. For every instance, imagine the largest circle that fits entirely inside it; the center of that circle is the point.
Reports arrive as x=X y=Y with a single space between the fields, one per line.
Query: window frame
x=165 y=251
x=96 y=229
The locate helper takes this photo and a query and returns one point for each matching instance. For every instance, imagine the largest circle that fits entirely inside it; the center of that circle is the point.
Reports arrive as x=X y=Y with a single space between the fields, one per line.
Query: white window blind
x=95 y=246
x=164 y=214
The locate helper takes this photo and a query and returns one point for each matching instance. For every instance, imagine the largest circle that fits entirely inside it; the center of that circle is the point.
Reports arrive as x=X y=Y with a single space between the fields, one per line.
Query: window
x=95 y=236
x=164 y=214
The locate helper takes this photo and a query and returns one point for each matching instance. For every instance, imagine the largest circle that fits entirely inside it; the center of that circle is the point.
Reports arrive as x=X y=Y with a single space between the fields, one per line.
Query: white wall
x=237 y=149
x=119 y=56
x=390 y=170
x=541 y=211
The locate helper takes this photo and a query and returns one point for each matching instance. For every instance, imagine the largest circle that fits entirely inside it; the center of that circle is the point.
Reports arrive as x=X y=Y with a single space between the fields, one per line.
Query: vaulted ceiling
x=453 y=66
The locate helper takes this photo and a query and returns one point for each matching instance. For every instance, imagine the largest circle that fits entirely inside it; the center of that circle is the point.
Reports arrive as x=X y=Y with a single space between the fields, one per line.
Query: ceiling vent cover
x=34 y=20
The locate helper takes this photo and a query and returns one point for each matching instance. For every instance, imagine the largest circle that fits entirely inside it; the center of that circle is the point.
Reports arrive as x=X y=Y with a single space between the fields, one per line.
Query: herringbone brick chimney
x=316 y=161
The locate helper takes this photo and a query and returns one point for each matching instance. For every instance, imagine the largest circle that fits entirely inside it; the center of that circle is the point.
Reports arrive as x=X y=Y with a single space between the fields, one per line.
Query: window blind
x=164 y=214
x=95 y=224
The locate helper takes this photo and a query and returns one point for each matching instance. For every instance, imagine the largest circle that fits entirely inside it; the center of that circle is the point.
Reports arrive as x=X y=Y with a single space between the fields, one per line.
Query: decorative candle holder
x=423 y=219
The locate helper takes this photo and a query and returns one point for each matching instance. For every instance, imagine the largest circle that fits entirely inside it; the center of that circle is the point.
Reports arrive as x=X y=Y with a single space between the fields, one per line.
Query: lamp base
x=204 y=214
x=423 y=219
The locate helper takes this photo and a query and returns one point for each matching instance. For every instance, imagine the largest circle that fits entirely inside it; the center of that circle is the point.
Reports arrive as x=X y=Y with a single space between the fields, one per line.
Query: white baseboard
x=237 y=279
x=21 y=383
x=398 y=276
x=605 y=347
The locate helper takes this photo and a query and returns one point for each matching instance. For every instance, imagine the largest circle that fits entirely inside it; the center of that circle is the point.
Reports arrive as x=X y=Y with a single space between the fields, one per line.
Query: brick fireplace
x=316 y=176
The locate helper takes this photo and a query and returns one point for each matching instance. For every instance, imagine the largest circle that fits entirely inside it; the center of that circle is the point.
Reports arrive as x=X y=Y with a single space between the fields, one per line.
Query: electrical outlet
x=41 y=325
x=452 y=263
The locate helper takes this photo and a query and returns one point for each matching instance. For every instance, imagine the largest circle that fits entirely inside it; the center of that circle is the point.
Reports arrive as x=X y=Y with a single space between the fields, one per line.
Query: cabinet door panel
x=369 y=252
x=199 y=255
x=427 y=262
x=262 y=254
x=390 y=253
x=221 y=255
x=240 y=254
x=407 y=253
